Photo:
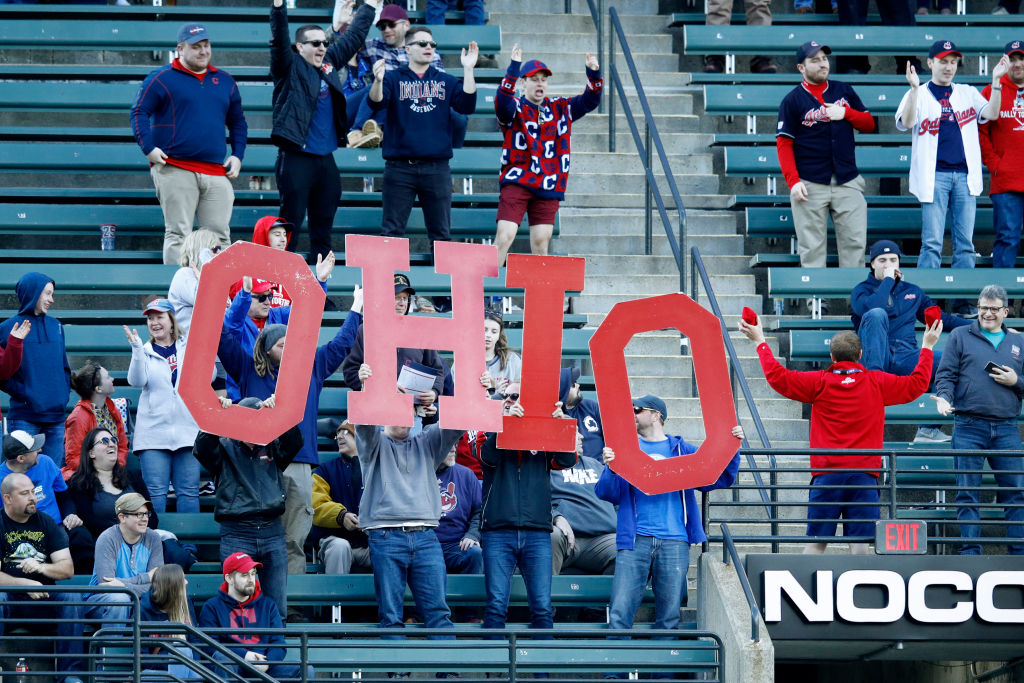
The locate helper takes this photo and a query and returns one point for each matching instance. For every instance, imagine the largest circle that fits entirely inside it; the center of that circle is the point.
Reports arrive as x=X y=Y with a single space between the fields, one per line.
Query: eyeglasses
x=262 y=298
x=137 y=515
x=423 y=43
x=315 y=43
x=512 y=397
x=990 y=309
x=107 y=441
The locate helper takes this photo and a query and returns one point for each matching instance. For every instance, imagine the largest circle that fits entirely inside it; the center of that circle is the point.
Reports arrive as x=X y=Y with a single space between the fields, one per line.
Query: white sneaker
x=999 y=9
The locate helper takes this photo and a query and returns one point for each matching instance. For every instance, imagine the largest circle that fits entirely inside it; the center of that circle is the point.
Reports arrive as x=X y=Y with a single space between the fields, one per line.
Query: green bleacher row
x=72 y=219
x=814 y=21
x=883 y=223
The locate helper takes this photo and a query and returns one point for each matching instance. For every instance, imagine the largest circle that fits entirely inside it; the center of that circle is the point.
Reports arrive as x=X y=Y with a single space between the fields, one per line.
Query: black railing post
x=613 y=77
x=599 y=20
x=648 y=194
x=892 y=484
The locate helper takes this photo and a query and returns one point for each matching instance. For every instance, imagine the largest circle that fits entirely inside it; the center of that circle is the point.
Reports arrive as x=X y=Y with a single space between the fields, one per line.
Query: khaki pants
x=298 y=513
x=187 y=197
x=758 y=12
x=849 y=211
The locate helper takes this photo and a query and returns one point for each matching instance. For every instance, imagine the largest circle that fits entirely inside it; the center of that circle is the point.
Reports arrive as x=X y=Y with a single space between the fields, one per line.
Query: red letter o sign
x=716 y=402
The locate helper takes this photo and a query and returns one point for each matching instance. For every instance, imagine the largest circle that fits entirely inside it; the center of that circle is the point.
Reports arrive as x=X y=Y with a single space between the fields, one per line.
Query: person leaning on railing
x=847 y=411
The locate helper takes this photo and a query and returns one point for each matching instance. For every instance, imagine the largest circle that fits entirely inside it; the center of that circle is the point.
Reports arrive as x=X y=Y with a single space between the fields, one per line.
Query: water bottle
x=21 y=668
x=107 y=231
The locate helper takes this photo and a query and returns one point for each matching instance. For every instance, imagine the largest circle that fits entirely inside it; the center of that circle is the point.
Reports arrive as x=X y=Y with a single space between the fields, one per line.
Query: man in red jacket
x=1002 y=145
x=847 y=411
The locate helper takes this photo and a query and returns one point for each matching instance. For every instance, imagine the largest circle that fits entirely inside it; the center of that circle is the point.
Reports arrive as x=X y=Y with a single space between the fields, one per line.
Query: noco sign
x=544 y=280
x=894 y=597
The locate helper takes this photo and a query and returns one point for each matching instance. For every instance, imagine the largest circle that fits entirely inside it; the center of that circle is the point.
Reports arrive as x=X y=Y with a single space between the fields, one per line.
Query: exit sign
x=902 y=537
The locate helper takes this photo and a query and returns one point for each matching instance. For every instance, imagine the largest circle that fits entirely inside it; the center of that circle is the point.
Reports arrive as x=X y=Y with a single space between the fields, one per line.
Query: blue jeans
x=53 y=431
x=458 y=561
x=530 y=550
x=180 y=467
x=950 y=193
x=413 y=558
x=263 y=542
x=666 y=563
x=108 y=607
x=474 y=11
x=1007 y=217
x=69 y=652
x=973 y=433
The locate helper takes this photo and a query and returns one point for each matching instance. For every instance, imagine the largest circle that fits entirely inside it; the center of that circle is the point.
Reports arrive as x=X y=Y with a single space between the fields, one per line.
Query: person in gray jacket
x=250 y=498
x=399 y=510
x=981 y=380
x=584 y=525
x=127 y=554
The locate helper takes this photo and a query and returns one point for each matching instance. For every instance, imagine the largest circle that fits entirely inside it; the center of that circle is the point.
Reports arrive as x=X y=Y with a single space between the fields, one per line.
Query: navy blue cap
x=884 y=247
x=943 y=48
x=652 y=402
x=809 y=49
x=192 y=34
x=532 y=67
x=1014 y=46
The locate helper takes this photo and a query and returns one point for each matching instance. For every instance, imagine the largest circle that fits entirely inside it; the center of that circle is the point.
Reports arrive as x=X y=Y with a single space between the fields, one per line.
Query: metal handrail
x=769 y=496
x=729 y=550
x=651 y=140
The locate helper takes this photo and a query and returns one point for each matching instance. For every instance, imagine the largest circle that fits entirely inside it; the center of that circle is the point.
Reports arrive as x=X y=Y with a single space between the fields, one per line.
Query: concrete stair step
x=708 y=200
x=574 y=23
x=778 y=408
x=604 y=183
x=628 y=163
x=597 y=123
x=575 y=221
x=654 y=284
x=571 y=61
x=674 y=143
x=605 y=264
x=692 y=428
x=579 y=7
x=534 y=42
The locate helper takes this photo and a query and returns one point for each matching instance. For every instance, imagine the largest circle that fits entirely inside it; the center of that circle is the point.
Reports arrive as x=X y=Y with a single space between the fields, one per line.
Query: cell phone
x=990 y=367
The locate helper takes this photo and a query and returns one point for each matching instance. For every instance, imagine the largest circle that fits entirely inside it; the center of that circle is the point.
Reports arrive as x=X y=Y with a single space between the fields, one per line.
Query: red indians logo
x=327 y=68
x=962 y=118
x=448 y=498
x=947 y=45
x=814 y=116
x=242 y=619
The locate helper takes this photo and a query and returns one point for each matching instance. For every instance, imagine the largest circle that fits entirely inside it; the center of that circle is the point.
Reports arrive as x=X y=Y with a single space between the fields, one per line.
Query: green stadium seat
x=764 y=100
x=939 y=283
x=132 y=72
x=752 y=162
x=873 y=19
x=888 y=222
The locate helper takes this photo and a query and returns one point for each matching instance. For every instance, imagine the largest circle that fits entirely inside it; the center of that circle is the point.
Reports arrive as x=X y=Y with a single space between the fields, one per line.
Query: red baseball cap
x=240 y=562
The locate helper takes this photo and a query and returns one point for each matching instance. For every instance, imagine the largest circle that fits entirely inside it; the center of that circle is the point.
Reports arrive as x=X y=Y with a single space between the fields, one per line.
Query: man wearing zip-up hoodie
x=981 y=378
x=654 y=533
x=515 y=522
x=40 y=387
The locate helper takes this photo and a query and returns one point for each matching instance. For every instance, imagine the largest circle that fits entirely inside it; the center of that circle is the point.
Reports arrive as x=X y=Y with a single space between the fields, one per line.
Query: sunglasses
x=512 y=397
x=423 y=43
x=107 y=441
x=315 y=43
x=386 y=24
x=262 y=298
x=637 y=410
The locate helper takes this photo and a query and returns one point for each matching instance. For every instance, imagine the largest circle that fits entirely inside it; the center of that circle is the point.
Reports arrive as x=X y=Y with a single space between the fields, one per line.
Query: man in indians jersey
x=535 y=153
x=816 y=152
x=945 y=159
x=1002 y=151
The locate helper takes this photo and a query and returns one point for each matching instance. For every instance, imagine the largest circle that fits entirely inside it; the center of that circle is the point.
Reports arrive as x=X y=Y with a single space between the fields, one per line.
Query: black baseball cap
x=402 y=283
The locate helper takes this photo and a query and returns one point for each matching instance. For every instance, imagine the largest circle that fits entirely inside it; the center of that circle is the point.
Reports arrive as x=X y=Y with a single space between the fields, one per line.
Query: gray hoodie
x=399 y=477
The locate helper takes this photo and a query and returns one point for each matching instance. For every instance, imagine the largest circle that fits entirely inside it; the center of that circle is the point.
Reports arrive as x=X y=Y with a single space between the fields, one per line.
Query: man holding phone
x=981 y=380
x=885 y=308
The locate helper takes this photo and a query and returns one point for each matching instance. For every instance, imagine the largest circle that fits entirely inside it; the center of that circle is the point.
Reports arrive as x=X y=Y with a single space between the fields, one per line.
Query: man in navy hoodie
x=418 y=99
x=178 y=119
x=654 y=533
x=40 y=387
x=240 y=605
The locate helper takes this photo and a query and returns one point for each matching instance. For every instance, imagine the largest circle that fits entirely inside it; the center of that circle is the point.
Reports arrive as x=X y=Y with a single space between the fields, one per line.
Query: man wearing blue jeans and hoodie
x=981 y=377
x=654 y=533
x=39 y=389
x=399 y=510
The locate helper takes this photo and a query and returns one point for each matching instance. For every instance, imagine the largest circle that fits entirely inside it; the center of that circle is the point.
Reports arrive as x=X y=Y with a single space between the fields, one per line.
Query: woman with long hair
x=167 y=601
x=164 y=428
x=95 y=386
x=502 y=363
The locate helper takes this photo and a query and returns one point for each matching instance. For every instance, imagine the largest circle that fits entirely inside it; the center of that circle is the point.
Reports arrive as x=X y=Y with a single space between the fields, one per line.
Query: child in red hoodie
x=847 y=411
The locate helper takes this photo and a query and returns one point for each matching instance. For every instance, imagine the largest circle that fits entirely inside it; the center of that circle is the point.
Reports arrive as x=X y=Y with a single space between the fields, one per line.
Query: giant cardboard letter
x=606 y=350
x=240 y=259
x=384 y=332
x=546 y=279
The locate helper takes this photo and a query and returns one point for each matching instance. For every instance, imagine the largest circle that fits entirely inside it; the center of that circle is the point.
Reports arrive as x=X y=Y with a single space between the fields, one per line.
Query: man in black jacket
x=250 y=499
x=310 y=119
x=516 y=522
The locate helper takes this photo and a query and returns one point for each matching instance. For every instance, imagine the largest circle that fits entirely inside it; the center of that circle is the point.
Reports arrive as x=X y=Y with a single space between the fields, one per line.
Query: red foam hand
x=748 y=315
x=931 y=314
x=384 y=332
x=705 y=333
x=545 y=279
x=240 y=259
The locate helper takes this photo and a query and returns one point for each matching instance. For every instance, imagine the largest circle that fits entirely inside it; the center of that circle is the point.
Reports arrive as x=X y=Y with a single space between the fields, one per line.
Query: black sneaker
x=714 y=64
x=763 y=65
